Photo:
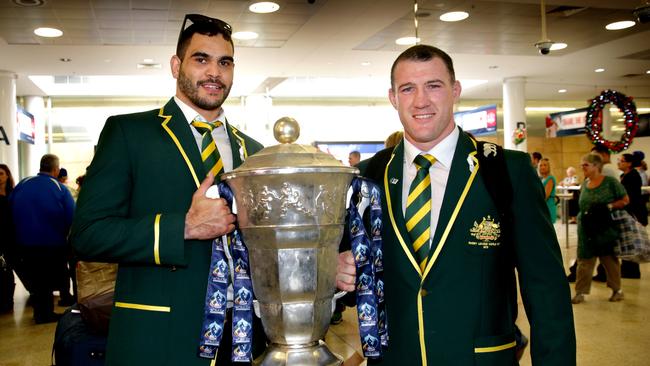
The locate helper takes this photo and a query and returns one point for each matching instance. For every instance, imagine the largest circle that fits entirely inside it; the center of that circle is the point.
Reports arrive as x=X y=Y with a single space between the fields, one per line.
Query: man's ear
x=175 y=64
x=392 y=97
x=456 y=88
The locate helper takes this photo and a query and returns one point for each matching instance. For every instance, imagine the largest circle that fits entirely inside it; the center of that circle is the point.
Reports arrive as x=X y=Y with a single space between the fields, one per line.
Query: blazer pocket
x=495 y=350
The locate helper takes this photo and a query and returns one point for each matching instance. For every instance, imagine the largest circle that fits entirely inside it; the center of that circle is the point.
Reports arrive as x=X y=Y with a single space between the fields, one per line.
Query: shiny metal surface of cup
x=291 y=209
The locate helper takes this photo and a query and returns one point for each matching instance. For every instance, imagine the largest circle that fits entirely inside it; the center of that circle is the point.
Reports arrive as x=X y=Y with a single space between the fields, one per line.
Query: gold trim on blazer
x=156 y=239
x=495 y=348
x=392 y=220
x=178 y=145
x=242 y=142
x=128 y=305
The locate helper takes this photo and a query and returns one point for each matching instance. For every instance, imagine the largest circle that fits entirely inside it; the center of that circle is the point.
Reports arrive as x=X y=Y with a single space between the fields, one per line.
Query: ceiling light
x=562 y=91
x=407 y=41
x=65 y=59
x=264 y=7
x=48 y=32
x=600 y=69
x=620 y=25
x=365 y=63
x=454 y=16
x=245 y=35
x=647 y=71
x=148 y=65
x=147 y=60
x=558 y=46
x=493 y=67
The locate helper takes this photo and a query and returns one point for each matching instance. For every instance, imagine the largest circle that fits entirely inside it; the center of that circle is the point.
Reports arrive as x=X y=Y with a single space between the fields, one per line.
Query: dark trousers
x=42 y=265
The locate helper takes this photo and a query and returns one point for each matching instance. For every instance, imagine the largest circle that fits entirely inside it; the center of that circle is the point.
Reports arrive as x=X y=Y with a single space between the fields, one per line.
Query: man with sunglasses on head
x=144 y=206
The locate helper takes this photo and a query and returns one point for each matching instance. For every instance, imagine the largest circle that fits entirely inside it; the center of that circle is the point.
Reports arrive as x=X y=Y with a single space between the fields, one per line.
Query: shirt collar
x=443 y=151
x=190 y=114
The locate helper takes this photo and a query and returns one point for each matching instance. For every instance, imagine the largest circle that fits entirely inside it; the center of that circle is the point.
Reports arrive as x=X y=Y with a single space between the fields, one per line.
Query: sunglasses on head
x=218 y=24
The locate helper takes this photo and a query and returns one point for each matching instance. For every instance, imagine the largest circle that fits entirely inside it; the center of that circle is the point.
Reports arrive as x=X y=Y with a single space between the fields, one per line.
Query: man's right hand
x=208 y=218
x=346 y=272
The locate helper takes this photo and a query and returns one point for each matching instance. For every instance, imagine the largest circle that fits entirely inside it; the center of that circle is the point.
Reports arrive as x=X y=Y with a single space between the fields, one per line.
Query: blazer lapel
x=458 y=185
x=237 y=145
x=174 y=123
x=393 y=180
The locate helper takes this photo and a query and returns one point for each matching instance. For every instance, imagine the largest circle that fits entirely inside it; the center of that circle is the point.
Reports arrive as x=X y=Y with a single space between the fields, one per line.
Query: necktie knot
x=204 y=127
x=209 y=153
x=424 y=161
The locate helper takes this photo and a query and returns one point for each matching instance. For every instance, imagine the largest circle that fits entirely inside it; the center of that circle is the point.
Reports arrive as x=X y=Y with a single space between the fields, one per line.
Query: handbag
x=633 y=243
x=600 y=230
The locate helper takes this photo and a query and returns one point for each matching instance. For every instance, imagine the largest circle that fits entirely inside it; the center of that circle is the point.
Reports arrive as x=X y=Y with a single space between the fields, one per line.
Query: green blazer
x=131 y=211
x=461 y=310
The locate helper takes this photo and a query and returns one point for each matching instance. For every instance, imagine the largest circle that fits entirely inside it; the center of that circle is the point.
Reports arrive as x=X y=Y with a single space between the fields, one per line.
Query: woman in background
x=632 y=181
x=549 y=183
x=596 y=232
x=7 y=282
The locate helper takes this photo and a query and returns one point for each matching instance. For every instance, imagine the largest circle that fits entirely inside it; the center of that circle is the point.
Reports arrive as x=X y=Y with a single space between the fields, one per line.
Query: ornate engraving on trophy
x=325 y=202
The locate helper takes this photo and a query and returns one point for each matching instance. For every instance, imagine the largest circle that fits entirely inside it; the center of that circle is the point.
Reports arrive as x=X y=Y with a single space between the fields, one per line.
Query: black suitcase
x=75 y=344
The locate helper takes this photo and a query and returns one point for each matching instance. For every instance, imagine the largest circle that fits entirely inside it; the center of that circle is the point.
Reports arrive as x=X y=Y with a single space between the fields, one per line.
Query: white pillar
x=8 y=123
x=514 y=110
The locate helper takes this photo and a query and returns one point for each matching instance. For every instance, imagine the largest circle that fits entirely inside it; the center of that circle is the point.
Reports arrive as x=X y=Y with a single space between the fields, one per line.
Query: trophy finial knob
x=286 y=130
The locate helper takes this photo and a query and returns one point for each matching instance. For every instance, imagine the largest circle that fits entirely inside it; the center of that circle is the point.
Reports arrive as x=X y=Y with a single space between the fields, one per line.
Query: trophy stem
x=315 y=353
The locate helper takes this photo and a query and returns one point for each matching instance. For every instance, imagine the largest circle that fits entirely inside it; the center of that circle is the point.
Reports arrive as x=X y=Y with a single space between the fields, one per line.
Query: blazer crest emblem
x=487 y=233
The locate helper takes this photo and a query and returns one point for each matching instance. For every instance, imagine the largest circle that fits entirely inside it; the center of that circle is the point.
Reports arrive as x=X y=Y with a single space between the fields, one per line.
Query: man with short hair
x=606 y=155
x=143 y=205
x=42 y=210
x=354 y=158
x=449 y=268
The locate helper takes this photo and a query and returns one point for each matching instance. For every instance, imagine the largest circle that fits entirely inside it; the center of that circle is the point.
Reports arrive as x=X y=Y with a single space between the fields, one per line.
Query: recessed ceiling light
x=647 y=71
x=620 y=25
x=65 y=59
x=493 y=67
x=454 y=16
x=147 y=60
x=48 y=32
x=264 y=7
x=561 y=91
x=148 y=66
x=600 y=69
x=245 y=35
x=558 y=46
x=407 y=41
x=365 y=63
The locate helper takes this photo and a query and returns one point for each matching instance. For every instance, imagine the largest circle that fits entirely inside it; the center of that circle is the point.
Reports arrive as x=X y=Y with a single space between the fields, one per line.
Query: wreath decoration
x=594 y=122
x=519 y=135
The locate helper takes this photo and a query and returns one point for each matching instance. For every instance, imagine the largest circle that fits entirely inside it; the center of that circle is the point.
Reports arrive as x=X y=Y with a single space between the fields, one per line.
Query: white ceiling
x=329 y=39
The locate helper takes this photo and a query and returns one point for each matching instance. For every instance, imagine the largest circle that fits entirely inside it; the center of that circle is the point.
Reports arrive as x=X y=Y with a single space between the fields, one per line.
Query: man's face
x=353 y=159
x=204 y=75
x=424 y=96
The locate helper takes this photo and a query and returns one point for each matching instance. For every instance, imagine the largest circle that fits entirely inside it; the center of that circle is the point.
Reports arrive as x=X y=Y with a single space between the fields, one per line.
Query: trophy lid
x=288 y=157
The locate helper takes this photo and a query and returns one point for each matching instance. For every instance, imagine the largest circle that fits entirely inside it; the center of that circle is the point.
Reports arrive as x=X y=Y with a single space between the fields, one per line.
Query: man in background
x=354 y=158
x=42 y=210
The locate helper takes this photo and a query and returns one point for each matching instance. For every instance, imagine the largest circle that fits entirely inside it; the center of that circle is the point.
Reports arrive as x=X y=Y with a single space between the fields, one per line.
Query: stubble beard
x=191 y=91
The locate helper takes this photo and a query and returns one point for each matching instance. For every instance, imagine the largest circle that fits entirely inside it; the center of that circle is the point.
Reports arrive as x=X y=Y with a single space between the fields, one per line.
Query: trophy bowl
x=290 y=202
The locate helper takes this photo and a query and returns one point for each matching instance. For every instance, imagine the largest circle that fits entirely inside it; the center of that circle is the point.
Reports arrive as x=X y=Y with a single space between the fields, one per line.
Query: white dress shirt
x=439 y=172
x=219 y=134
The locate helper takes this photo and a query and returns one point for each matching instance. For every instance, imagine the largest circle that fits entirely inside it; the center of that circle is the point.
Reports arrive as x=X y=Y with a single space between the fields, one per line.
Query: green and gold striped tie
x=418 y=209
x=209 y=152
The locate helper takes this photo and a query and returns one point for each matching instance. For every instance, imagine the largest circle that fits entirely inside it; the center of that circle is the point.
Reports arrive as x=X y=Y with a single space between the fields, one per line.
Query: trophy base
x=315 y=354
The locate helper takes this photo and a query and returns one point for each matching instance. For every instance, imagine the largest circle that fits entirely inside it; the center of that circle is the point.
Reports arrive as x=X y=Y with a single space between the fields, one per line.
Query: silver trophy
x=290 y=202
